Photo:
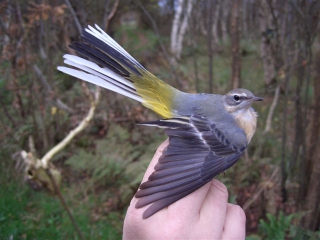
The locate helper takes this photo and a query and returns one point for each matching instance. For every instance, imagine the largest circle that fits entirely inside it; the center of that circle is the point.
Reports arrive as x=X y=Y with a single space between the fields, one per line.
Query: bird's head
x=239 y=100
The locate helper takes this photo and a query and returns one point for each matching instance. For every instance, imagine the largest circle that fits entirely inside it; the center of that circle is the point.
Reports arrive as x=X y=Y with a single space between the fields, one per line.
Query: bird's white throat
x=246 y=118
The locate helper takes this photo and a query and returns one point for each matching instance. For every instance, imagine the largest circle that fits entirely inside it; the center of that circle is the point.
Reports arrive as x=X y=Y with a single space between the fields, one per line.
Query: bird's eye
x=236 y=97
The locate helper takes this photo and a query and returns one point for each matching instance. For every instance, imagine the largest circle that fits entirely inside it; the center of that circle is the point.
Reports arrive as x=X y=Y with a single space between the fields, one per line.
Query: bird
x=207 y=133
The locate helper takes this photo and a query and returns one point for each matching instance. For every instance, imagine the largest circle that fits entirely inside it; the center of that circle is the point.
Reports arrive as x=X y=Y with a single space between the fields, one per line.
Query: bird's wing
x=197 y=152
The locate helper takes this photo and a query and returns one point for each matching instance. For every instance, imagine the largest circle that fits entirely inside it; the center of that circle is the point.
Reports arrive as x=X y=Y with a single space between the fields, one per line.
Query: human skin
x=203 y=214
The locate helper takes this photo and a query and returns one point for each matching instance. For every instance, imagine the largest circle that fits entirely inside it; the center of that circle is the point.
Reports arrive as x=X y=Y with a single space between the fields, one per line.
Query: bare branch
x=108 y=17
x=74 y=15
x=271 y=110
x=32 y=147
x=43 y=80
x=210 y=46
x=4 y=29
x=83 y=124
x=64 y=204
x=38 y=177
x=86 y=91
x=258 y=193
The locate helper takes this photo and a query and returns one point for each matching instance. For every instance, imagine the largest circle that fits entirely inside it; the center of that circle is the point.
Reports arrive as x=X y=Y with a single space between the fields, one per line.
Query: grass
x=26 y=214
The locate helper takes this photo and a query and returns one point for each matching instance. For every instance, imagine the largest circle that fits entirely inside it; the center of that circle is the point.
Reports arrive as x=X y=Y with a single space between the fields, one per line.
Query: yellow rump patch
x=157 y=94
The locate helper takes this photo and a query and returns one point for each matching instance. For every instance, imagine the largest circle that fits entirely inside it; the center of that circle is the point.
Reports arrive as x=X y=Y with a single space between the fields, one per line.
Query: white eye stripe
x=240 y=95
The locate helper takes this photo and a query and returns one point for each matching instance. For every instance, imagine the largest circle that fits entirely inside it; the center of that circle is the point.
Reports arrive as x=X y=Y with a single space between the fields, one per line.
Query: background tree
x=179 y=26
x=235 y=44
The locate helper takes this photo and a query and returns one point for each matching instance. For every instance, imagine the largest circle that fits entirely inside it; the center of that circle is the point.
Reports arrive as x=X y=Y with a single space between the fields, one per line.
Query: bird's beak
x=257 y=99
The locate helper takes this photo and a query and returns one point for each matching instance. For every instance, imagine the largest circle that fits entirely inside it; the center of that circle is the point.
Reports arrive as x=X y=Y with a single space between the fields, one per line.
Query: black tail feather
x=104 y=55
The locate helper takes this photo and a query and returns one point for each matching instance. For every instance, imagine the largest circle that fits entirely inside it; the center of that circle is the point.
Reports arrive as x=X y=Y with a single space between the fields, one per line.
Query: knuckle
x=220 y=186
x=238 y=213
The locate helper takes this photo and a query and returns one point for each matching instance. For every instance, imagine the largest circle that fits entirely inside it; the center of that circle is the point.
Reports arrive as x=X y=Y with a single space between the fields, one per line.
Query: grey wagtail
x=207 y=133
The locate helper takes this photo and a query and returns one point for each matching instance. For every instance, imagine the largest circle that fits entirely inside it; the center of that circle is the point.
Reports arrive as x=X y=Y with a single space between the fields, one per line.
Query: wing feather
x=197 y=152
x=175 y=171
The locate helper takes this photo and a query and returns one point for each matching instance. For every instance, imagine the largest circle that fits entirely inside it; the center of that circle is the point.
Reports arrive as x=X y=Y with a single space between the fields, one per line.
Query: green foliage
x=11 y=210
x=6 y=96
x=140 y=43
x=112 y=163
x=276 y=228
x=29 y=215
x=25 y=214
x=281 y=227
x=253 y=237
x=300 y=233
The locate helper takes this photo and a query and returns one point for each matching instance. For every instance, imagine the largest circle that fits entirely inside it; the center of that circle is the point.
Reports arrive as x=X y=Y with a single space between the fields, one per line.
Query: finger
x=235 y=223
x=189 y=206
x=214 y=208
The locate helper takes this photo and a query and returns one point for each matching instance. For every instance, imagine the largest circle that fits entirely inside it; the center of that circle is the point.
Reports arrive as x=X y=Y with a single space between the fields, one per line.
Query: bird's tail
x=111 y=67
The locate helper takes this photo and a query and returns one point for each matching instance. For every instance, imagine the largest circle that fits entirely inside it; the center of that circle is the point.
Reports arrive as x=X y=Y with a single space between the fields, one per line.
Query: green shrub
x=276 y=228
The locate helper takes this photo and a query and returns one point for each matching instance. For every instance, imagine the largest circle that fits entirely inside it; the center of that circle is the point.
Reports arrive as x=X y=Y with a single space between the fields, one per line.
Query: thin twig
x=249 y=202
x=105 y=15
x=74 y=15
x=107 y=18
x=43 y=80
x=4 y=29
x=64 y=204
x=271 y=110
x=210 y=47
x=86 y=91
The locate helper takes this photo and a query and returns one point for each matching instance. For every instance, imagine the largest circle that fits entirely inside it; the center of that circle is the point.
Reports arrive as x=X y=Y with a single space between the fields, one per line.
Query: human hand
x=203 y=214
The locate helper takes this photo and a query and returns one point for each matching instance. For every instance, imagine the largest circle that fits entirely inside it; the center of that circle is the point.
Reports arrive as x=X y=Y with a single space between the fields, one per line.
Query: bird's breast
x=247 y=120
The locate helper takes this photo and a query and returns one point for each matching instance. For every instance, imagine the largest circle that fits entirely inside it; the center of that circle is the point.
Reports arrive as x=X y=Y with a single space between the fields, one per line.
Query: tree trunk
x=179 y=27
x=235 y=44
x=266 y=44
x=210 y=45
x=215 y=25
x=175 y=30
x=298 y=150
x=183 y=27
x=312 y=199
x=224 y=21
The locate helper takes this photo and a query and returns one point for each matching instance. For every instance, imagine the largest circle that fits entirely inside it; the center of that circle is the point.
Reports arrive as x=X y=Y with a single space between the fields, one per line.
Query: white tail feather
x=86 y=65
x=97 y=74
x=99 y=82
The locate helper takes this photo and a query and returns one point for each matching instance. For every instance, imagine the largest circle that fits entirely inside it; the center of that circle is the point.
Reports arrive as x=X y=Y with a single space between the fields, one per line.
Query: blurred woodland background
x=82 y=189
